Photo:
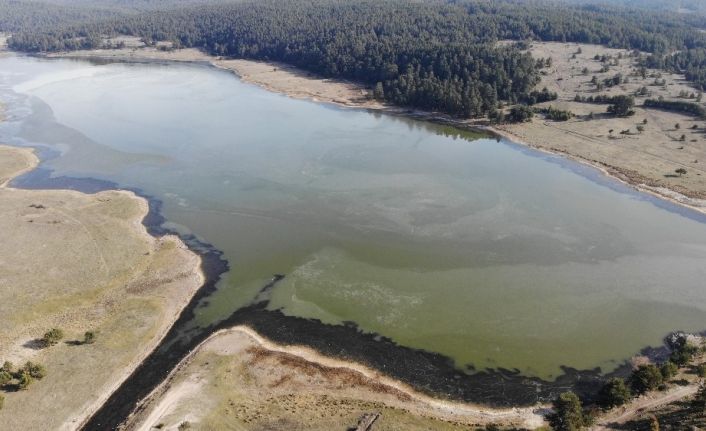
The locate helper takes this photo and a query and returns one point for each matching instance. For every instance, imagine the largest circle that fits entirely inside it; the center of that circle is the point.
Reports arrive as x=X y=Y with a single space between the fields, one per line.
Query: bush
x=568 y=413
x=24 y=379
x=622 y=106
x=677 y=106
x=5 y=378
x=52 y=337
x=701 y=370
x=520 y=114
x=669 y=369
x=2 y=401
x=614 y=393
x=7 y=366
x=89 y=337
x=682 y=351
x=37 y=371
x=557 y=114
x=645 y=378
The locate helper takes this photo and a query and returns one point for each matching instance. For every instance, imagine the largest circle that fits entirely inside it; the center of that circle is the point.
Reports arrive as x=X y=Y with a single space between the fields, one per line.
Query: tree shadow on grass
x=35 y=344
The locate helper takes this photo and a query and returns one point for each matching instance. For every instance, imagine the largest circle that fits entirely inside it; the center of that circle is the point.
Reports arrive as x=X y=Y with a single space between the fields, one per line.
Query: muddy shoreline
x=427 y=372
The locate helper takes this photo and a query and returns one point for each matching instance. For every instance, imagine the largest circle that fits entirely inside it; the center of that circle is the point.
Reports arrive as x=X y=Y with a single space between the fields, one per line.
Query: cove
x=447 y=241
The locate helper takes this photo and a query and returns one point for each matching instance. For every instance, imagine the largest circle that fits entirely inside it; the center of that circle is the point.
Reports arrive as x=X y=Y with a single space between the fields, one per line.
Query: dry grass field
x=647 y=158
x=80 y=263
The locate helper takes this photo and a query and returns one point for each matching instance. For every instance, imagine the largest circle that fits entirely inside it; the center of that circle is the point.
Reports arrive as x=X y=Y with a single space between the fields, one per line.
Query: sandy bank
x=646 y=161
x=81 y=262
x=239 y=378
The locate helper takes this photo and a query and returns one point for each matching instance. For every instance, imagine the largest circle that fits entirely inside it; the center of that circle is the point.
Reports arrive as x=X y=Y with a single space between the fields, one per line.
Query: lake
x=454 y=242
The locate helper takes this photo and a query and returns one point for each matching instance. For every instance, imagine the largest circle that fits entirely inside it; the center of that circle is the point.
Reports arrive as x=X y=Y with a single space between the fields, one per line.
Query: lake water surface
x=448 y=241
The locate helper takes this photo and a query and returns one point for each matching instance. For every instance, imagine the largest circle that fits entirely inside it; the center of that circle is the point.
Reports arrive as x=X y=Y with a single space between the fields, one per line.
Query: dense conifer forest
x=433 y=54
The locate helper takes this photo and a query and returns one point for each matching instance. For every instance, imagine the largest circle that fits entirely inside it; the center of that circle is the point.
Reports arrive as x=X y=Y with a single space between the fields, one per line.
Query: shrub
x=677 y=106
x=52 y=337
x=568 y=413
x=645 y=378
x=614 y=393
x=669 y=369
x=520 y=114
x=2 y=401
x=557 y=114
x=682 y=351
x=701 y=370
x=5 y=377
x=622 y=106
x=89 y=337
x=24 y=379
x=7 y=366
x=37 y=371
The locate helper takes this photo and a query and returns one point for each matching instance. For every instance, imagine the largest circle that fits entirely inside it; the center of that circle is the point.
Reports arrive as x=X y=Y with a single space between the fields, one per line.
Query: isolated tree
x=614 y=393
x=568 y=413
x=681 y=358
x=645 y=378
x=677 y=126
x=640 y=128
x=52 y=336
x=682 y=138
x=89 y=337
x=669 y=369
x=379 y=92
x=8 y=366
x=644 y=121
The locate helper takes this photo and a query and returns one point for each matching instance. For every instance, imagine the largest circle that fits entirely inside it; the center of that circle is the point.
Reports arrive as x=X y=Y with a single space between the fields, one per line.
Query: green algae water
x=448 y=241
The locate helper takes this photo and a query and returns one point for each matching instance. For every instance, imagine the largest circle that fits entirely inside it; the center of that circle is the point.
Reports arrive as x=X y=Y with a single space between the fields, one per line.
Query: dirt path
x=643 y=404
x=269 y=371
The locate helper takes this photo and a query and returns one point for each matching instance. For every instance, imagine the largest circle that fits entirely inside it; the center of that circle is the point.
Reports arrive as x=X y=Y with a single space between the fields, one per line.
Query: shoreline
x=605 y=171
x=530 y=417
x=174 y=306
x=436 y=118
x=235 y=66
